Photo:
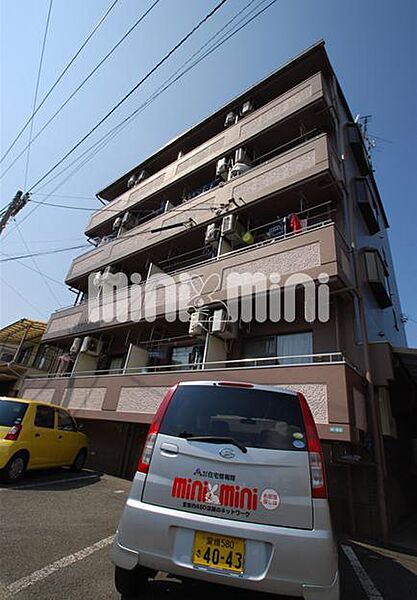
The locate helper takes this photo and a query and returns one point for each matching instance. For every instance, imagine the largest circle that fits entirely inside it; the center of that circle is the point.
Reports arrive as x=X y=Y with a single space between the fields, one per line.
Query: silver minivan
x=230 y=489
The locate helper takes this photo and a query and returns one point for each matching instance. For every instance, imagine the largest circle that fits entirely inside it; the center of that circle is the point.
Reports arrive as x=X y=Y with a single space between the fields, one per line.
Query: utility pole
x=19 y=201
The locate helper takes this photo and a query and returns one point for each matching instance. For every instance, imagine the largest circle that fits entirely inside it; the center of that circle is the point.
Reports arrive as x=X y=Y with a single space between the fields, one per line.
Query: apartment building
x=253 y=247
x=22 y=353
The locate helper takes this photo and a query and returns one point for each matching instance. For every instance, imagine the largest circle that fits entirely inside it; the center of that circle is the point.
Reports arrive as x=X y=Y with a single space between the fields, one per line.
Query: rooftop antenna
x=369 y=141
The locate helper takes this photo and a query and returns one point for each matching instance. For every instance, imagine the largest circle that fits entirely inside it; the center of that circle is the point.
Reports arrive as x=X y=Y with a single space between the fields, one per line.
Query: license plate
x=219 y=551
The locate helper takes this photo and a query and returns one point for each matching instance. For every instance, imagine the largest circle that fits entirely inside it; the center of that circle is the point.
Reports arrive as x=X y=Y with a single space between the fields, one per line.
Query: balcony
x=319 y=249
x=312 y=159
x=310 y=92
x=327 y=381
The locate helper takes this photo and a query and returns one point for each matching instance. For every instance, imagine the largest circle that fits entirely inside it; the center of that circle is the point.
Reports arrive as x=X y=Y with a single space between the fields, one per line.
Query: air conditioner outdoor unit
x=212 y=234
x=128 y=220
x=242 y=156
x=117 y=224
x=247 y=107
x=97 y=279
x=222 y=327
x=232 y=229
x=230 y=119
x=238 y=169
x=106 y=274
x=198 y=323
x=241 y=164
x=76 y=345
x=222 y=168
x=142 y=175
x=91 y=345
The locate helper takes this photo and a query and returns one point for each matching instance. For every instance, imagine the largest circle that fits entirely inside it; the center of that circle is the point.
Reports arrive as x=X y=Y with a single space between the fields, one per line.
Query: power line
x=135 y=87
x=35 y=98
x=34 y=270
x=78 y=88
x=84 y=208
x=117 y=129
x=51 y=89
x=22 y=256
x=35 y=264
x=106 y=138
x=73 y=197
x=36 y=308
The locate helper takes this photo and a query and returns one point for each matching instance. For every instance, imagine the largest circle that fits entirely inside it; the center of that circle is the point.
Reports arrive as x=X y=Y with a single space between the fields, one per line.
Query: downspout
x=376 y=424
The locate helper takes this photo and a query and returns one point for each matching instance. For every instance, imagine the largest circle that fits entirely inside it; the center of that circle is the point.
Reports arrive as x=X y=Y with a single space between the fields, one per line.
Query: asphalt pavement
x=56 y=530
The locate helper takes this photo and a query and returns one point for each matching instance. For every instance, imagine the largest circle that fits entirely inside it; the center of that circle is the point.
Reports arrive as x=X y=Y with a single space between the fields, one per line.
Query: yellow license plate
x=219 y=551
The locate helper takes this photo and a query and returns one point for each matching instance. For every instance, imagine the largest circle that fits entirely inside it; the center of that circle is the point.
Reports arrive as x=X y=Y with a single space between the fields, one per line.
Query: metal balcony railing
x=303 y=360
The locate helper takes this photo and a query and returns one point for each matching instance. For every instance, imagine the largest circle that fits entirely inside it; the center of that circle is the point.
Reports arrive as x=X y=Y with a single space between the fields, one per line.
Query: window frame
x=70 y=417
x=47 y=408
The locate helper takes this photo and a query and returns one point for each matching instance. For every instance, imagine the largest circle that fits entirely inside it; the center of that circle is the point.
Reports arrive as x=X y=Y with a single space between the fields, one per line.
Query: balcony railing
x=311 y=251
x=302 y=95
x=235 y=364
x=309 y=159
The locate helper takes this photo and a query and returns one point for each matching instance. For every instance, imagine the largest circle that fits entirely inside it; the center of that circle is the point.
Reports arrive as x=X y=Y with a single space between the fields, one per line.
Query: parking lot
x=56 y=531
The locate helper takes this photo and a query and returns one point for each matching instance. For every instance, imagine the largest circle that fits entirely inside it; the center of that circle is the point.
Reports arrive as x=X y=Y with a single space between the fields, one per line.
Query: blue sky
x=371 y=44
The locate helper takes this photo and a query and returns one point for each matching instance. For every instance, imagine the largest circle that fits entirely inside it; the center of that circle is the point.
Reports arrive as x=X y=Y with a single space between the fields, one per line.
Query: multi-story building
x=21 y=354
x=267 y=206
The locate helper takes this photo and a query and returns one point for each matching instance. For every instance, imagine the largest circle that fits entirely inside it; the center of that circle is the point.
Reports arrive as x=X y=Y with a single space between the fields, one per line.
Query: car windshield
x=12 y=412
x=252 y=417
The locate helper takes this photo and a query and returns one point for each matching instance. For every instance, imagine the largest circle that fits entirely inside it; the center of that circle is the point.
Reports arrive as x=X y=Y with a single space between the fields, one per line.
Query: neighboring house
x=273 y=190
x=22 y=353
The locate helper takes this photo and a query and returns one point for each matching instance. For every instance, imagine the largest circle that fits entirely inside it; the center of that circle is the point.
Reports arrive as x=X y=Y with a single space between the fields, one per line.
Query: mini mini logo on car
x=227 y=495
x=227 y=453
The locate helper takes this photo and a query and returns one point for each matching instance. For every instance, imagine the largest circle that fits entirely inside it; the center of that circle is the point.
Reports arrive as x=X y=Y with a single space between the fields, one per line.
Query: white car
x=230 y=489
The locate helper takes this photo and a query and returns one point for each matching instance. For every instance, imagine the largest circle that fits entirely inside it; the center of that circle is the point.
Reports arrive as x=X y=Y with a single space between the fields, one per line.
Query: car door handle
x=60 y=437
x=170 y=449
x=37 y=435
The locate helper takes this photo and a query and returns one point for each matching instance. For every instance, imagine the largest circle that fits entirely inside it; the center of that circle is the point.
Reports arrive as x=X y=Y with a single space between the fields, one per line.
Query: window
x=12 y=413
x=65 y=421
x=260 y=347
x=299 y=345
x=186 y=356
x=255 y=418
x=116 y=362
x=44 y=358
x=377 y=277
x=24 y=355
x=45 y=417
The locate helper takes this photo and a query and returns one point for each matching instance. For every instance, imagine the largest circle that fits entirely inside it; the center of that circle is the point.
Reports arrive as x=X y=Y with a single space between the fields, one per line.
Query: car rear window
x=11 y=412
x=252 y=417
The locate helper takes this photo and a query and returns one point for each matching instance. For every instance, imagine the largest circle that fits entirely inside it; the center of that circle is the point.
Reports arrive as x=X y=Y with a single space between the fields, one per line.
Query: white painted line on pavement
x=366 y=582
x=66 y=561
x=50 y=482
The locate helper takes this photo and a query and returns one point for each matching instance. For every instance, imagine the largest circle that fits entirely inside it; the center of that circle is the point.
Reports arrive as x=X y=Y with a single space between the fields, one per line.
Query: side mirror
x=80 y=426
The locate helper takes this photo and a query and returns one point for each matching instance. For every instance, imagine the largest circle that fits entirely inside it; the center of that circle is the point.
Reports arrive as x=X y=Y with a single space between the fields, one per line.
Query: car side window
x=45 y=417
x=65 y=421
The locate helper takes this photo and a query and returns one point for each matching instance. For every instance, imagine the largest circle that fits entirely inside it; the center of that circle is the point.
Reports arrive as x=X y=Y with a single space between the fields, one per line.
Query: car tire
x=79 y=461
x=129 y=584
x=15 y=468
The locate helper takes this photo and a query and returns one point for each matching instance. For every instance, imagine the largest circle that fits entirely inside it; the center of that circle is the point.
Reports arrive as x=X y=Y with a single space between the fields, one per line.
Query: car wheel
x=130 y=583
x=15 y=468
x=79 y=460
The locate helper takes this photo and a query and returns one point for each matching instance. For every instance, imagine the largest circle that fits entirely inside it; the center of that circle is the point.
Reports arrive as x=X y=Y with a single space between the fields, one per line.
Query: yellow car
x=37 y=435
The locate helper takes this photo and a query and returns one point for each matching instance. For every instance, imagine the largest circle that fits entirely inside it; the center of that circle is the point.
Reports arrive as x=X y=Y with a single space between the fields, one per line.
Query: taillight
x=13 y=433
x=147 y=451
x=316 y=458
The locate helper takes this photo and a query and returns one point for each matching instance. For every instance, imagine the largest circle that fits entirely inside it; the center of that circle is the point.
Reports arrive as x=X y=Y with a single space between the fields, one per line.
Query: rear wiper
x=214 y=439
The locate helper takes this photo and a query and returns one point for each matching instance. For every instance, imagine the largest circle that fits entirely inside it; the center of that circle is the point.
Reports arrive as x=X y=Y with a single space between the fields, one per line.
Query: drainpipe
x=379 y=450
